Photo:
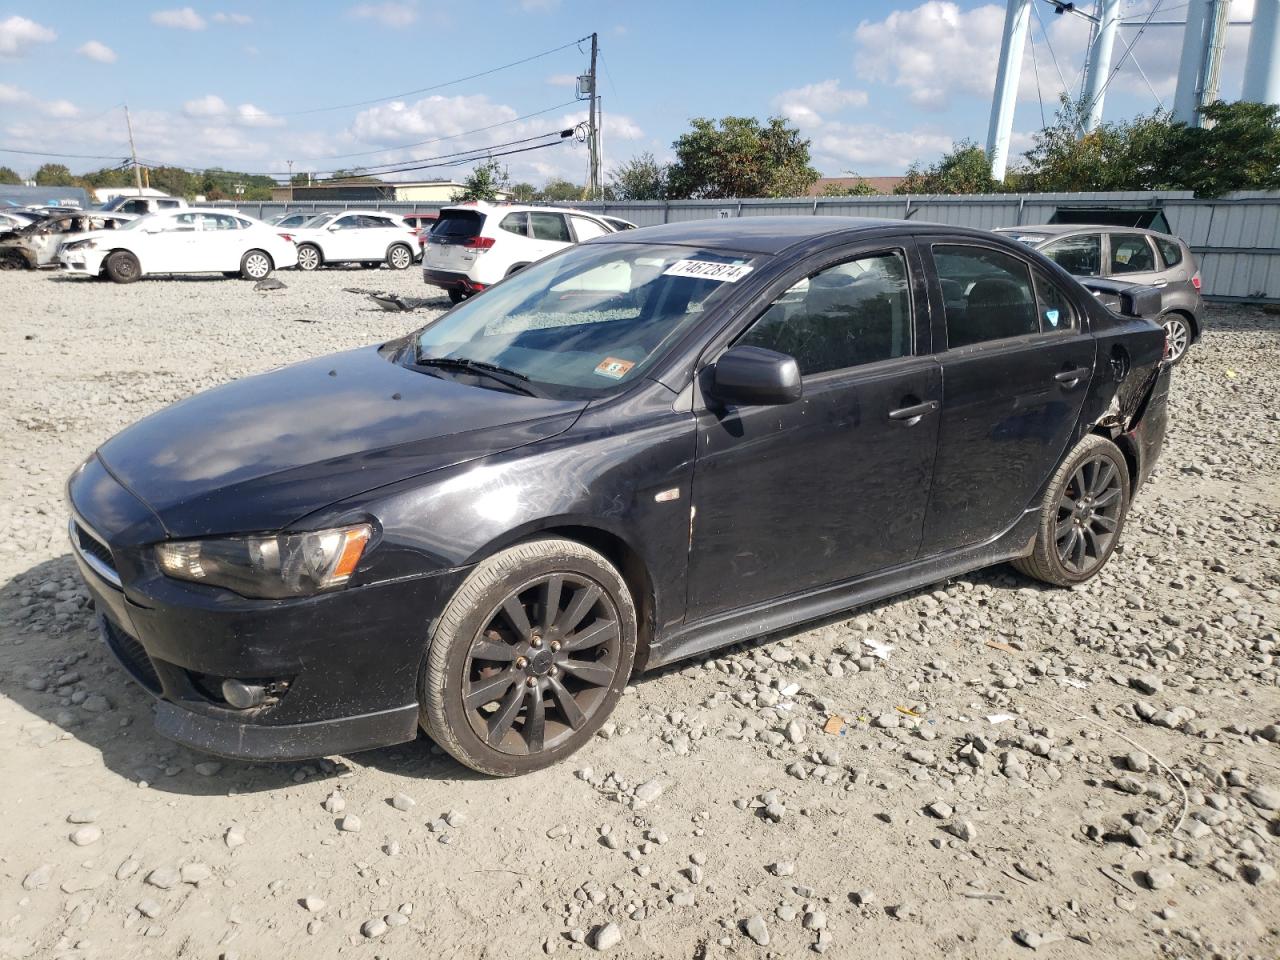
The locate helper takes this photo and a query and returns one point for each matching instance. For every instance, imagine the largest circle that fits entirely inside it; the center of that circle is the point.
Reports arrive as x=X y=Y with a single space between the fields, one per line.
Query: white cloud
x=209 y=105
x=97 y=51
x=18 y=35
x=235 y=19
x=11 y=94
x=562 y=80
x=183 y=18
x=805 y=105
x=868 y=149
x=389 y=14
x=61 y=109
x=250 y=116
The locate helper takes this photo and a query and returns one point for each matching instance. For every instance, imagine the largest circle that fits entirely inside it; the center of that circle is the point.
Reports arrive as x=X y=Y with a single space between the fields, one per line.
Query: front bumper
x=344 y=664
x=88 y=262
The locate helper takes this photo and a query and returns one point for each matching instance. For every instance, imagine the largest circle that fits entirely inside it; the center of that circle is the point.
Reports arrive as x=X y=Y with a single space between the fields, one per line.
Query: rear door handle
x=914 y=412
x=1069 y=378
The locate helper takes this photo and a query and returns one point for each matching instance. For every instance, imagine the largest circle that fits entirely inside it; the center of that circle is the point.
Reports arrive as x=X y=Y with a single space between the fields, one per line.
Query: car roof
x=503 y=207
x=774 y=234
x=1061 y=229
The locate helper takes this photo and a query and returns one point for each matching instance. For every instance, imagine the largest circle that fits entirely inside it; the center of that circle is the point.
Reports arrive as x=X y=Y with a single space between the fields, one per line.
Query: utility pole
x=1098 y=66
x=137 y=171
x=290 y=163
x=594 y=142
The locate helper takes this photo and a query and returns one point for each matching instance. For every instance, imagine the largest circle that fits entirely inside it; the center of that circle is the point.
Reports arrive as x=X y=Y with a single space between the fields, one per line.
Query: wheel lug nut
x=555 y=671
x=555 y=645
x=531 y=682
x=536 y=642
x=521 y=663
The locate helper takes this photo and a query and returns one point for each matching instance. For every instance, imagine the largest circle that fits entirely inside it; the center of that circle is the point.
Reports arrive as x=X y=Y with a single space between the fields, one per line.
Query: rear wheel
x=1177 y=332
x=309 y=257
x=1082 y=515
x=12 y=260
x=399 y=257
x=255 y=265
x=529 y=658
x=456 y=295
x=123 y=267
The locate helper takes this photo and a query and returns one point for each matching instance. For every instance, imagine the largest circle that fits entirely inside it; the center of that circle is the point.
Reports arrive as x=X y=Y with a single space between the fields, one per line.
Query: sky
x=875 y=84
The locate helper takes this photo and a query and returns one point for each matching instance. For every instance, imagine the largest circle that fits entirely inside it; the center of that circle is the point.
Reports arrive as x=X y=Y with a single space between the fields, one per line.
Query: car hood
x=259 y=453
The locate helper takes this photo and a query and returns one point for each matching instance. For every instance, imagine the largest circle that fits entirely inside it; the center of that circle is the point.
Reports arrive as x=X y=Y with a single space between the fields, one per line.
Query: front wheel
x=308 y=257
x=1177 y=332
x=123 y=267
x=1082 y=515
x=529 y=657
x=255 y=265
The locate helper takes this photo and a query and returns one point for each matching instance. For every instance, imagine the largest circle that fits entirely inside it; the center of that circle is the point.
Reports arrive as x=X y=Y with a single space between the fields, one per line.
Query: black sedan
x=638 y=450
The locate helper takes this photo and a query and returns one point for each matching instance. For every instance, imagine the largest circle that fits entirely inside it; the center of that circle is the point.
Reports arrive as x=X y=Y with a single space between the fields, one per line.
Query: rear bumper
x=449 y=280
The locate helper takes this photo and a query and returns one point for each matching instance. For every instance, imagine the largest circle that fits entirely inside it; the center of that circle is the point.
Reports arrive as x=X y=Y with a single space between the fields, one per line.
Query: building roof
x=878 y=184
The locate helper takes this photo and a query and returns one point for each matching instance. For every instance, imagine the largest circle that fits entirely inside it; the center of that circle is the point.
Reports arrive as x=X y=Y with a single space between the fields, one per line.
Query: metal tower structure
x=1262 y=62
x=1017 y=18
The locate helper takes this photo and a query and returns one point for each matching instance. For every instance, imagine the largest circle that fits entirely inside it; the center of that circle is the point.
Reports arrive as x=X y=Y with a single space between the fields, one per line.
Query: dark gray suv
x=1132 y=255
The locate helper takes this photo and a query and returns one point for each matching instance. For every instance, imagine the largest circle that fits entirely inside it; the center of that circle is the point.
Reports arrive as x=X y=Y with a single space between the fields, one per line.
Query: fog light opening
x=243 y=696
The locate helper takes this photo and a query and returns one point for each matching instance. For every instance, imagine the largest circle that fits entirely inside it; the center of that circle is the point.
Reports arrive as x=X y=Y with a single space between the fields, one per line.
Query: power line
x=61 y=156
x=434 y=86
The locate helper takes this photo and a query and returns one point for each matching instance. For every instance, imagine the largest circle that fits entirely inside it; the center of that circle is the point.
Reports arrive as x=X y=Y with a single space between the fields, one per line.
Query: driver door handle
x=1069 y=378
x=914 y=412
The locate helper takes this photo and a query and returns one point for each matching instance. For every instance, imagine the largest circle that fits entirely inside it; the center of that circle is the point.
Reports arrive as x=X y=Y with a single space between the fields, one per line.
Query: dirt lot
x=1087 y=773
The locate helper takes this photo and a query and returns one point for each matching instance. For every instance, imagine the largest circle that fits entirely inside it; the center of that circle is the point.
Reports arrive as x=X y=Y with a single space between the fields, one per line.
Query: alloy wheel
x=542 y=664
x=308 y=258
x=401 y=257
x=257 y=266
x=1089 y=515
x=1178 y=336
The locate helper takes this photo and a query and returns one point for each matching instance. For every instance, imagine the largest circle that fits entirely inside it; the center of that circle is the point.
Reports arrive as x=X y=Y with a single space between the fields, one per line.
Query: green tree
x=861 y=188
x=54 y=175
x=524 y=192
x=1237 y=149
x=560 y=190
x=640 y=178
x=963 y=169
x=484 y=182
x=737 y=157
x=9 y=175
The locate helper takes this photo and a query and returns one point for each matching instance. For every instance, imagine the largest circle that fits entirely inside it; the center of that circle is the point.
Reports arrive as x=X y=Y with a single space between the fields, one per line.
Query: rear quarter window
x=461 y=224
x=1170 y=251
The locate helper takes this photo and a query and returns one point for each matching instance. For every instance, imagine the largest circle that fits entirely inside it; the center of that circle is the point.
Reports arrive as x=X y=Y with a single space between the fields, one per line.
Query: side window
x=550 y=226
x=987 y=294
x=1056 y=311
x=183 y=223
x=852 y=313
x=1170 y=251
x=134 y=206
x=1130 y=253
x=1079 y=256
x=346 y=223
x=585 y=229
x=517 y=223
x=167 y=204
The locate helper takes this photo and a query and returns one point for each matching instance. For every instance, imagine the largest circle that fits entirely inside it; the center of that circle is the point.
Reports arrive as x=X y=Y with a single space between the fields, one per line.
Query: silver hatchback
x=1132 y=255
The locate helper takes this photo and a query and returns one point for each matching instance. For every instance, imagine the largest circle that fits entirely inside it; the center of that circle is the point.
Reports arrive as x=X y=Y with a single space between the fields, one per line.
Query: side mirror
x=152 y=228
x=333 y=228
x=753 y=376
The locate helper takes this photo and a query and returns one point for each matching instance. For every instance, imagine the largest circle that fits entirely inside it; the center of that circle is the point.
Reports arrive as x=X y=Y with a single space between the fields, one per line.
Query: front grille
x=96 y=553
x=132 y=656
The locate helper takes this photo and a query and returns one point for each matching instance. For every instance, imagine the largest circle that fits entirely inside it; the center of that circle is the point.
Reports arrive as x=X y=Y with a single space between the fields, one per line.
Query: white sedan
x=182 y=241
x=369 y=237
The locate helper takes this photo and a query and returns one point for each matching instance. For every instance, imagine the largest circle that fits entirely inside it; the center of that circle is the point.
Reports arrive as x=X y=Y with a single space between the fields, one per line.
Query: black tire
x=13 y=260
x=545 y=634
x=399 y=256
x=1082 y=516
x=256 y=265
x=123 y=267
x=1178 y=333
x=309 y=257
x=456 y=295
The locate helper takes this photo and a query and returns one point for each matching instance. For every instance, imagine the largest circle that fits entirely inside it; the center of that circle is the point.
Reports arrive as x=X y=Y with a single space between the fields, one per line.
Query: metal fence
x=1235 y=238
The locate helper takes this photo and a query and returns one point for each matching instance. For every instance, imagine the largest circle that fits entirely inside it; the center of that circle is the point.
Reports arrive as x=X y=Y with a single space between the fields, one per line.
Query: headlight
x=285 y=565
x=80 y=245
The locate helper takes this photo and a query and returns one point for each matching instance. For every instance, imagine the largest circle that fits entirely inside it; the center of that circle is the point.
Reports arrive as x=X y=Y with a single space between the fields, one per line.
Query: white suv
x=474 y=245
x=369 y=237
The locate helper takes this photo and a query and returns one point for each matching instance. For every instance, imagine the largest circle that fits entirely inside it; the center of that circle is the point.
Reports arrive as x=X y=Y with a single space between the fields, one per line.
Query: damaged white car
x=38 y=244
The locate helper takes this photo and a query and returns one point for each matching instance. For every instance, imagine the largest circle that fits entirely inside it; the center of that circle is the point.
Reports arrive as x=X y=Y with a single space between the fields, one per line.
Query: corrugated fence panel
x=1236 y=238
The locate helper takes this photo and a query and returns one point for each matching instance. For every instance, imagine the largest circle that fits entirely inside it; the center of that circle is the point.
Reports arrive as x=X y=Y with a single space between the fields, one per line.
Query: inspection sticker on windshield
x=613 y=368
x=707 y=270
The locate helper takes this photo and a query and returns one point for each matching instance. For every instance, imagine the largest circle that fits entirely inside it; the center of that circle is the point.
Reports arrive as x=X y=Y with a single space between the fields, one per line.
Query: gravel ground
x=985 y=768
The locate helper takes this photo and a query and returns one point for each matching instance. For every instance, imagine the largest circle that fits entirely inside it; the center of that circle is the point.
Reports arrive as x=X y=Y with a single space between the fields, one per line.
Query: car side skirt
x=775 y=615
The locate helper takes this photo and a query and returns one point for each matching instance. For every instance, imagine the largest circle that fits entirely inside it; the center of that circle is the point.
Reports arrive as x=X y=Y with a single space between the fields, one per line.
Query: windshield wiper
x=491 y=370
